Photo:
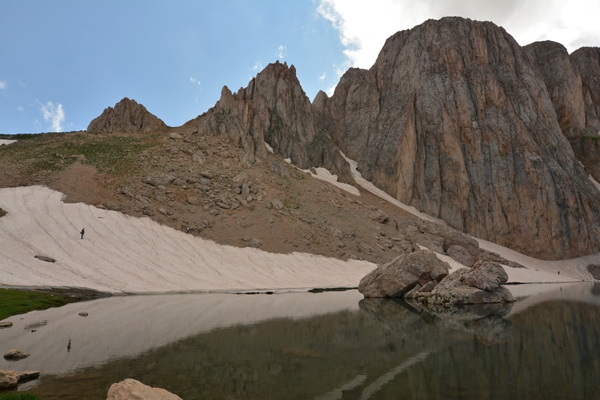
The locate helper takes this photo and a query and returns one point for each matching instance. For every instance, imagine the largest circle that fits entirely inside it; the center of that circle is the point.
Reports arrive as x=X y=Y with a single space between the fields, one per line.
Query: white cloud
x=21 y=83
x=2 y=85
x=194 y=80
x=282 y=52
x=257 y=66
x=53 y=113
x=322 y=77
x=364 y=26
x=20 y=108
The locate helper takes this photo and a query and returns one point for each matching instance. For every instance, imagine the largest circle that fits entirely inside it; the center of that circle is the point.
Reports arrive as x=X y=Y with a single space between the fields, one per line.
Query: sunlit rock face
x=273 y=108
x=128 y=116
x=455 y=119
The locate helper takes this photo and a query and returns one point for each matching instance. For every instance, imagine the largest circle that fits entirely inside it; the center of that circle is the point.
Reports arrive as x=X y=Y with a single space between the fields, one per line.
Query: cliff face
x=455 y=119
x=127 y=116
x=573 y=83
x=273 y=109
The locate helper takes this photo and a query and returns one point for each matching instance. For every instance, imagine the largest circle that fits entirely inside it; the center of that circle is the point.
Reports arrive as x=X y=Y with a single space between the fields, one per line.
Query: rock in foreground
x=403 y=274
x=14 y=355
x=10 y=379
x=130 y=389
x=478 y=285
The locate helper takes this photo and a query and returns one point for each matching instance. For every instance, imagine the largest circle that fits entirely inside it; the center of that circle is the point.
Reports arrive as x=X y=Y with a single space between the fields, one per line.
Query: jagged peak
x=127 y=116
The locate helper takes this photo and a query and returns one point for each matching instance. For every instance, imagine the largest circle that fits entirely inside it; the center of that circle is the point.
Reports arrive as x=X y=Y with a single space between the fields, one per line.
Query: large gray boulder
x=130 y=389
x=403 y=274
x=478 y=285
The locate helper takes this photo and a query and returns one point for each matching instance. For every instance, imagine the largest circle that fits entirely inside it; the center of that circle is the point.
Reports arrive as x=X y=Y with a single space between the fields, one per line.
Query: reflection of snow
x=137 y=255
x=126 y=326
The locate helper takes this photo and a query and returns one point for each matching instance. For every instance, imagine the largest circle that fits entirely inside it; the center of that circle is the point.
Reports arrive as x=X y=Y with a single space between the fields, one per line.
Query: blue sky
x=63 y=61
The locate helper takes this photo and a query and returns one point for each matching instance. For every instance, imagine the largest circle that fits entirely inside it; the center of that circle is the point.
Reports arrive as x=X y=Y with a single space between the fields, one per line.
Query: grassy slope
x=13 y=302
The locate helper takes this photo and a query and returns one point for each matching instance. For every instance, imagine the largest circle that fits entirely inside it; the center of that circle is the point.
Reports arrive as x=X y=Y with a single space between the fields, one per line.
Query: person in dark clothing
x=82 y=232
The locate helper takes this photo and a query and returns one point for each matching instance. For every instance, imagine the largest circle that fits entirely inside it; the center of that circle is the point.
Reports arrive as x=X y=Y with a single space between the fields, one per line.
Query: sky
x=62 y=62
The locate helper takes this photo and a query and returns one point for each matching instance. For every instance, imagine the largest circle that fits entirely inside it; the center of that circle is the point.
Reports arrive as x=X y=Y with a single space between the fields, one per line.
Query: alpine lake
x=330 y=345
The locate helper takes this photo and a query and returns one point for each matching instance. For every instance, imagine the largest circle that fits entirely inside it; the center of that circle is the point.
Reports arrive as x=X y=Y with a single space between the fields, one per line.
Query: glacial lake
x=325 y=346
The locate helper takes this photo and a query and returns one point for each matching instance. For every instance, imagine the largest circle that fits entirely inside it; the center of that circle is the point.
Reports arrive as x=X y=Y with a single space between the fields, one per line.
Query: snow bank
x=137 y=255
x=5 y=142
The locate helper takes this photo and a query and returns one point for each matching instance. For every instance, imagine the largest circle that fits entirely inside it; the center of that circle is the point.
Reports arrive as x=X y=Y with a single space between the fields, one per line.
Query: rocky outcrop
x=127 y=116
x=273 y=109
x=14 y=355
x=404 y=273
x=130 y=389
x=455 y=119
x=10 y=379
x=478 y=285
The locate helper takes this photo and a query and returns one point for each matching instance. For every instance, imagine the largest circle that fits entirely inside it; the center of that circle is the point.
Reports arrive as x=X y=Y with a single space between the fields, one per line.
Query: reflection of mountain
x=381 y=351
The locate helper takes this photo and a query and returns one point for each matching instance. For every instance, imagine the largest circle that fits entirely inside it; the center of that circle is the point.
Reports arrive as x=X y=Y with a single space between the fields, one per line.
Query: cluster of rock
x=421 y=276
x=127 y=116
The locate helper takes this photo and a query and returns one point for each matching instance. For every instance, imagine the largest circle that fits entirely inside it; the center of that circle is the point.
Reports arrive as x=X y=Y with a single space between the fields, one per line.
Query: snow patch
x=268 y=146
x=6 y=142
x=123 y=254
x=594 y=182
x=324 y=175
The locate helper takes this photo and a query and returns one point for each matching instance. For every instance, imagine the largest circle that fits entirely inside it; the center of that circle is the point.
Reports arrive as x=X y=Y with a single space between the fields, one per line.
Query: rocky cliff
x=273 y=109
x=127 y=116
x=573 y=83
x=455 y=119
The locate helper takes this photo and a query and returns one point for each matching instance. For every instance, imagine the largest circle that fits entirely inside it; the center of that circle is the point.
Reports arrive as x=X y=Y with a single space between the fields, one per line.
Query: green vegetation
x=14 y=302
x=18 y=396
x=54 y=152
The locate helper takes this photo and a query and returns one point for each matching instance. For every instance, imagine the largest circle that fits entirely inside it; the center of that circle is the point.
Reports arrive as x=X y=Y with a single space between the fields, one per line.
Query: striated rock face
x=455 y=119
x=127 y=117
x=587 y=61
x=577 y=113
x=274 y=109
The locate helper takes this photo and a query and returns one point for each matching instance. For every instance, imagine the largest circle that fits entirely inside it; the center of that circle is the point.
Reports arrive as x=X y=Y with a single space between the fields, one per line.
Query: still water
x=332 y=345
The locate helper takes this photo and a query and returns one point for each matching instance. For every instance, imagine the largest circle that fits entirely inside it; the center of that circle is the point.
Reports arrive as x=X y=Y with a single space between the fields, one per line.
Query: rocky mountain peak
x=275 y=110
x=455 y=119
x=128 y=116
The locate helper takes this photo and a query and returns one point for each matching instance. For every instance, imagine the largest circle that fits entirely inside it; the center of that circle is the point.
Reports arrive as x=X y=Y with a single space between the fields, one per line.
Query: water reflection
x=357 y=349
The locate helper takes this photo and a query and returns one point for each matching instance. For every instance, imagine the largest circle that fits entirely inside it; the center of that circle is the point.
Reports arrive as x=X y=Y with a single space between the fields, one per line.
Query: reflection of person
x=82 y=232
